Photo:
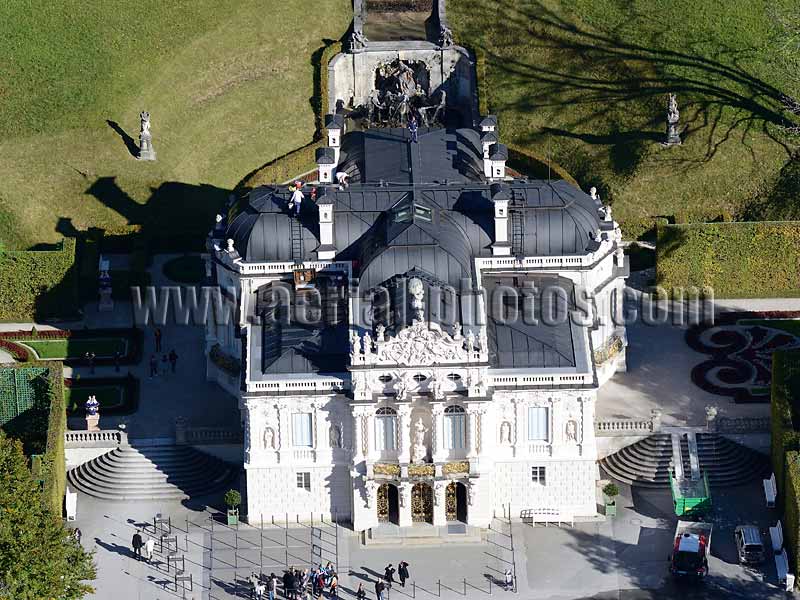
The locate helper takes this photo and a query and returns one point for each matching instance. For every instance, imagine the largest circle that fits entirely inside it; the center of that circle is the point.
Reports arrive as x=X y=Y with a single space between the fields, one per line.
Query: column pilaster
x=472 y=432
x=439 y=514
x=438 y=451
x=404 y=433
x=284 y=435
x=404 y=497
x=360 y=435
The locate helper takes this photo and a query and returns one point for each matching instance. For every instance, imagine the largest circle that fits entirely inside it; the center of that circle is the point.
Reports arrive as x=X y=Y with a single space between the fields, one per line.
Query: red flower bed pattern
x=740 y=363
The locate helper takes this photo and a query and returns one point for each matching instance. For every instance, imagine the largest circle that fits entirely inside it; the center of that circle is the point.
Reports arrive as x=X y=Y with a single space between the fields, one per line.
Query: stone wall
x=569 y=487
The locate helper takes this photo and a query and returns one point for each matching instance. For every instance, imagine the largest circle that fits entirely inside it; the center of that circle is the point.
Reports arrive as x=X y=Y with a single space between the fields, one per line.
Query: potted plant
x=233 y=499
x=611 y=491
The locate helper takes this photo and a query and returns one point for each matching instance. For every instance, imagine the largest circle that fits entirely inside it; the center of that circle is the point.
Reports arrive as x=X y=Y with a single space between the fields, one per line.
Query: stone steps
x=647 y=463
x=151 y=473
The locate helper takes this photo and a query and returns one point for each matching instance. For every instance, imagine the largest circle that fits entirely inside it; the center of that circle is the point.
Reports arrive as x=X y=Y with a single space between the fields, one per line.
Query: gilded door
x=451 y=502
x=422 y=503
x=383 y=503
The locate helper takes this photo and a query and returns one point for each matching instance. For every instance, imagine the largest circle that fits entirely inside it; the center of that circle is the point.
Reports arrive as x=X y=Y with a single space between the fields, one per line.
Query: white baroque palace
x=387 y=365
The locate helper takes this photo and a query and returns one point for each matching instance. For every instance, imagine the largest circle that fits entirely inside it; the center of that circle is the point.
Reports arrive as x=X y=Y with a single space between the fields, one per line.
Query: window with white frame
x=539 y=475
x=454 y=428
x=304 y=481
x=385 y=427
x=538 y=424
x=302 y=434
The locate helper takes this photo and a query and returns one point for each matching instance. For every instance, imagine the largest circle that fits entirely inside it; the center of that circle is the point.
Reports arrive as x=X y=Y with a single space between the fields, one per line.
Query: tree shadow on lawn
x=176 y=216
x=130 y=144
x=635 y=73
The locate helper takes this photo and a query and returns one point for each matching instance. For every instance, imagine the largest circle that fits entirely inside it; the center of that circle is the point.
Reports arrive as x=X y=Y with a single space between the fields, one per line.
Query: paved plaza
x=622 y=557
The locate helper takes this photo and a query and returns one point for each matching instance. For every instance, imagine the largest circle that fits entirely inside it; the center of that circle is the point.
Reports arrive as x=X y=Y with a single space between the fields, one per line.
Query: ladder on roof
x=517 y=232
x=297 y=240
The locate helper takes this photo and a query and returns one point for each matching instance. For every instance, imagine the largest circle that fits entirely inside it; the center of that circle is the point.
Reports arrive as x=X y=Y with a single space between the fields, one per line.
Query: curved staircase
x=647 y=462
x=151 y=473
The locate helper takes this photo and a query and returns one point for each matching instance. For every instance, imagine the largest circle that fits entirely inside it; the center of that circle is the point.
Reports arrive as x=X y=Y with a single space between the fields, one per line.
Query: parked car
x=749 y=545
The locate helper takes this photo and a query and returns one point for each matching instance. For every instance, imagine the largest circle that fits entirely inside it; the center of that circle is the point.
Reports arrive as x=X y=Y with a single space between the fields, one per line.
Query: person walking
x=164 y=365
x=388 y=574
x=334 y=586
x=412 y=128
x=361 y=594
x=379 y=589
x=117 y=359
x=153 y=366
x=173 y=359
x=509 y=580
x=90 y=356
x=287 y=583
x=272 y=586
x=402 y=572
x=157 y=336
x=137 y=544
x=149 y=547
x=259 y=589
x=76 y=533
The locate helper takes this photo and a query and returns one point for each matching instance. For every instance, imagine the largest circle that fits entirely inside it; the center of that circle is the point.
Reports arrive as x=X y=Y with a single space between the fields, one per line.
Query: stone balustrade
x=105 y=438
x=212 y=435
x=624 y=427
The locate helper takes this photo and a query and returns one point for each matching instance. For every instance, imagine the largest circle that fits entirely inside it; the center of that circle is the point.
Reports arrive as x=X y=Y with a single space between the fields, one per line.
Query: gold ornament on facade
x=386 y=469
x=421 y=470
x=609 y=351
x=453 y=468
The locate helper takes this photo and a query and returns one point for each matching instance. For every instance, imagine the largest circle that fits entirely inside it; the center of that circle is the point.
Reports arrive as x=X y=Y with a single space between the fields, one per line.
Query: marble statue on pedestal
x=673 y=116
x=419 y=452
x=146 y=151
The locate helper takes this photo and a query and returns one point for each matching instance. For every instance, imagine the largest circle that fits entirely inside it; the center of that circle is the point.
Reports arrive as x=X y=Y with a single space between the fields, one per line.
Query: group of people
x=297 y=584
x=167 y=362
x=138 y=543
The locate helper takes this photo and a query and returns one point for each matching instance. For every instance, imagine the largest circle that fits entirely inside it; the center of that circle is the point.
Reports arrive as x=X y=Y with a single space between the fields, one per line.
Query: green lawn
x=77 y=348
x=228 y=87
x=586 y=81
x=109 y=396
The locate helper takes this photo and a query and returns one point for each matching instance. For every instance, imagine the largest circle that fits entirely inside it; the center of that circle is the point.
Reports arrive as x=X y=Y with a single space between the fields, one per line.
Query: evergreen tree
x=39 y=559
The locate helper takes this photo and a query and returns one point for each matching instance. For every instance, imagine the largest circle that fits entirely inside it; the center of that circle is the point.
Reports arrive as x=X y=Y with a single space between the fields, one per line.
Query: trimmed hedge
x=284 y=168
x=39 y=285
x=55 y=478
x=53 y=465
x=784 y=409
x=133 y=335
x=738 y=260
x=791 y=510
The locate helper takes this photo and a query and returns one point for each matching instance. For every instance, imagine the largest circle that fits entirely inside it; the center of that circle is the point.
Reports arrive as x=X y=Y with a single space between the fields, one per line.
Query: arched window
x=454 y=428
x=385 y=427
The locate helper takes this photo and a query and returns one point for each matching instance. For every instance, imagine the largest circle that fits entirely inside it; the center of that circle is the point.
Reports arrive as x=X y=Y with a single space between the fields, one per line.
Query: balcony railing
x=388 y=469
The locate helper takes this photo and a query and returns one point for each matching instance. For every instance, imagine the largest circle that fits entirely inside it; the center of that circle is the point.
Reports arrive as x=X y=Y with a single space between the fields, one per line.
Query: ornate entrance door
x=451 y=502
x=455 y=502
x=422 y=503
x=388 y=504
x=383 y=503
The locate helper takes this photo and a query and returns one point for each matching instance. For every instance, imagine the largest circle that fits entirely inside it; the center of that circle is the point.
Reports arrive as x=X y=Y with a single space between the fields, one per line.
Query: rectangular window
x=301 y=430
x=538 y=475
x=539 y=424
x=454 y=431
x=304 y=481
x=385 y=427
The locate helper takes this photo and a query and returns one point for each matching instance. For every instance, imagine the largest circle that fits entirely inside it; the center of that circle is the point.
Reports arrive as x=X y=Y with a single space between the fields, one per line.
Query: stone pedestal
x=93 y=422
x=404 y=498
x=106 y=303
x=146 y=151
